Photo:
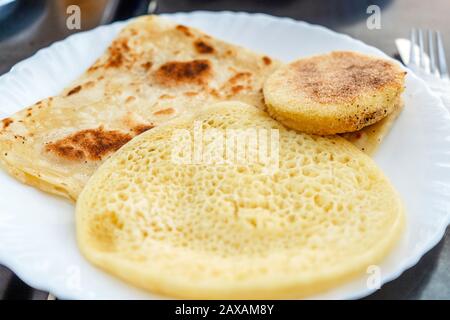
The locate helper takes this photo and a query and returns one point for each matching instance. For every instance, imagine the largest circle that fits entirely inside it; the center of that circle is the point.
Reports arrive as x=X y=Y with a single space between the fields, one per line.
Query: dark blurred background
x=28 y=25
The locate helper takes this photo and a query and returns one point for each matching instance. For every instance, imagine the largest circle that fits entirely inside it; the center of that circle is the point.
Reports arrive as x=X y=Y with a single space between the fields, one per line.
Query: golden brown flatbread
x=274 y=227
x=153 y=71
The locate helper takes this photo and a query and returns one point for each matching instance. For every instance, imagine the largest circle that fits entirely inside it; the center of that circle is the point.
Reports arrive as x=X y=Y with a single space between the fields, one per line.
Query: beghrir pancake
x=235 y=230
x=153 y=71
x=334 y=93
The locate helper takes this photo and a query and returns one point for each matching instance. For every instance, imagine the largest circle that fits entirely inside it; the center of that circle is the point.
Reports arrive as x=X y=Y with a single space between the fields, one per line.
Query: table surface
x=37 y=24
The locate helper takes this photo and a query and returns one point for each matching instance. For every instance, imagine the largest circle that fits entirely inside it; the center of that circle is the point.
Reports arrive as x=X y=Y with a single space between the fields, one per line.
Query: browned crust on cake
x=342 y=76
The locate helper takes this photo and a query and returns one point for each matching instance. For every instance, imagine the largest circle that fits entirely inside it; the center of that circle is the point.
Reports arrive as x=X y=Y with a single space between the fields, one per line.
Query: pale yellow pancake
x=315 y=216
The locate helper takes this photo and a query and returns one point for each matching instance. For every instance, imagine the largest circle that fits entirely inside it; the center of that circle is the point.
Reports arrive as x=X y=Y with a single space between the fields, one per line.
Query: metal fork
x=431 y=62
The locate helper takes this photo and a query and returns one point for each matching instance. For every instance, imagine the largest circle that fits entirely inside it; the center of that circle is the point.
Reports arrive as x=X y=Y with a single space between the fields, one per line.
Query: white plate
x=37 y=236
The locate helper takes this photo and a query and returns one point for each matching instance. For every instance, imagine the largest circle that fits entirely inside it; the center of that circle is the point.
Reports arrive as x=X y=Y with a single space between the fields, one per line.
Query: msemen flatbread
x=235 y=229
x=154 y=70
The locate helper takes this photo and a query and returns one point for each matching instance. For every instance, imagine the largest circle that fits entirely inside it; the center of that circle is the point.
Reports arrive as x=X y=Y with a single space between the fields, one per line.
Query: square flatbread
x=153 y=71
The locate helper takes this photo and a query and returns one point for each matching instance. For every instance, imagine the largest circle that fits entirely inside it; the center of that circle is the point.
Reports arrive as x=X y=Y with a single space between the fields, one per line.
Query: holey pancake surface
x=236 y=230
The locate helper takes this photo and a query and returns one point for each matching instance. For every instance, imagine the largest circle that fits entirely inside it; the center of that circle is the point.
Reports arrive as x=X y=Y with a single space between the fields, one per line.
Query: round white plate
x=37 y=234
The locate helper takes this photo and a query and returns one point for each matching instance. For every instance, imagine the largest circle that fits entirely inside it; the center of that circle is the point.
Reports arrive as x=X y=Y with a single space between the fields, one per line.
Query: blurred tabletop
x=28 y=25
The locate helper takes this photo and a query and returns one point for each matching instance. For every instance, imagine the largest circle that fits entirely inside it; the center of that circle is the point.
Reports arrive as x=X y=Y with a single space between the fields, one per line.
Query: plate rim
x=30 y=277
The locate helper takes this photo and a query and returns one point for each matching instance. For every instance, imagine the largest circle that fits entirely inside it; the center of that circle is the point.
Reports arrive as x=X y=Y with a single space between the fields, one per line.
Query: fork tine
x=441 y=57
x=421 y=50
x=431 y=52
x=412 y=49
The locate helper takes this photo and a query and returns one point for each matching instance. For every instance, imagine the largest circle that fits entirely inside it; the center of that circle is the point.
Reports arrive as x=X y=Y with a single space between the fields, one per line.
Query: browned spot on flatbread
x=164 y=112
x=68 y=152
x=183 y=72
x=7 y=122
x=267 y=61
x=203 y=47
x=190 y=93
x=214 y=93
x=341 y=77
x=147 y=65
x=115 y=60
x=238 y=77
x=90 y=144
x=74 y=90
x=184 y=29
x=130 y=99
x=237 y=89
x=88 y=84
x=94 y=67
x=39 y=105
x=166 y=96
x=141 y=128
x=116 y=53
